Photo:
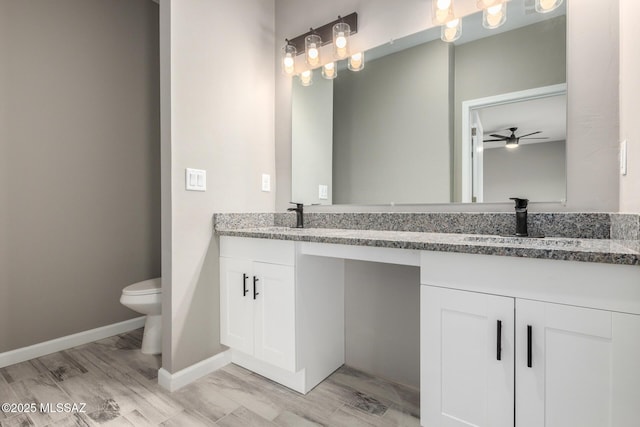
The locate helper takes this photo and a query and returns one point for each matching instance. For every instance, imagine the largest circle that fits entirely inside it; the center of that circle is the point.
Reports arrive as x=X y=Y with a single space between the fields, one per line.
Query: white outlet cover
x=266 y=182
x=196 y=179
x=323 y=192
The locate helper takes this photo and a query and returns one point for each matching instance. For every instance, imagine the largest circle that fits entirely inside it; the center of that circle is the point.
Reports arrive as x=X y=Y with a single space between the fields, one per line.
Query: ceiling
x=548 y=115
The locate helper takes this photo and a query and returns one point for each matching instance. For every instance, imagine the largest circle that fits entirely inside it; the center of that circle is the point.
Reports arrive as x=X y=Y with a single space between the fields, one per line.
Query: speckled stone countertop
x=557 y=248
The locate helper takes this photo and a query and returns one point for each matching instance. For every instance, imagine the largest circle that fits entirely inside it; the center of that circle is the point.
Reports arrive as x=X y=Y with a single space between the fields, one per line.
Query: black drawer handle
x=244 y=285
x=529 y=350
x=499 y=341
x=255 y=281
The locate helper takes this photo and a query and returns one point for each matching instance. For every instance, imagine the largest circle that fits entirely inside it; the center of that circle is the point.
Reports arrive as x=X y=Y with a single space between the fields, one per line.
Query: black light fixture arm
x=325 y=32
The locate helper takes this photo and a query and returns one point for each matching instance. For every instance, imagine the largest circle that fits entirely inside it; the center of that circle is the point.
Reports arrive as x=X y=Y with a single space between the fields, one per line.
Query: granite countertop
x=569 y=249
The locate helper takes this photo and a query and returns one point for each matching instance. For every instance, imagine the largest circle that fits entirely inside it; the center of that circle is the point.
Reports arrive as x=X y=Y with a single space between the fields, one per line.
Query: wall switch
x=266 y=182
x=196 y=179
x=623 y=158
x=323 y=192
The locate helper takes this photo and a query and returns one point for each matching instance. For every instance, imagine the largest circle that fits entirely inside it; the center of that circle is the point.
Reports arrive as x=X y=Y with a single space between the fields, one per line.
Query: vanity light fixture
x=306 y=78
x=337 y=32
x=546 y=6
x=356 y=61
x=289 y=53
x=329 y=71
x=494 y=13
x=451 y=31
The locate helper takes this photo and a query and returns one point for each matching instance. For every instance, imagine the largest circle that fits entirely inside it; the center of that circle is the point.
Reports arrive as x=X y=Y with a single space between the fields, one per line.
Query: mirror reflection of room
x=394 y=133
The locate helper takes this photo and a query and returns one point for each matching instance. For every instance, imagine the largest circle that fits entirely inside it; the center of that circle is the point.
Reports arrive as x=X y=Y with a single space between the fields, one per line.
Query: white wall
x=220 y=77
x=592 y=55
x=630 y=102
x=4 y=177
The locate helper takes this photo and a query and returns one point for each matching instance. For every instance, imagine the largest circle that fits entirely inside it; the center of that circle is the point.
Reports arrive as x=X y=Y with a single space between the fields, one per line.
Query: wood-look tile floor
x=119 y=386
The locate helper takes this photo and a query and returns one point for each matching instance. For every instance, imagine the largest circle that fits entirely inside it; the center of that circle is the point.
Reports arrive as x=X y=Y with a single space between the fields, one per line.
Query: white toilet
x=146 y=298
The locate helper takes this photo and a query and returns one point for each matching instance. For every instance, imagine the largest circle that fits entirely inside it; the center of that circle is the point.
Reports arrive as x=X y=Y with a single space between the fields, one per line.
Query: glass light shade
x=356 y=61
x=306 y=78
x=341 y=33
x=289 y=59
x=451 y=31
x=330 y=71
x=442 y=11
x=312 y=44
x=546 y=6
x=494 y=16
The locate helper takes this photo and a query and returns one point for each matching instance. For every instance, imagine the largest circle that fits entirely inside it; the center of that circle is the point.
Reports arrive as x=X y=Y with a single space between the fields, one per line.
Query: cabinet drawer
x=263 y=250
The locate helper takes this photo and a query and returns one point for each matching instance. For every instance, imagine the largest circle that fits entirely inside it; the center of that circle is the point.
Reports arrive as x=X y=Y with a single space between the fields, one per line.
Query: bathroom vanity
x=540 y=331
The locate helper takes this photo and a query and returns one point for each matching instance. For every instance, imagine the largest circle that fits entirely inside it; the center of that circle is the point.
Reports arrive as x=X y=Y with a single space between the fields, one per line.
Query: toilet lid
x=147 y=287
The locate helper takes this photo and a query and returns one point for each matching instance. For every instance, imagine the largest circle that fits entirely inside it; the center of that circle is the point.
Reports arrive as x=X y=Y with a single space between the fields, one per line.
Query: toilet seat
x=147 y=287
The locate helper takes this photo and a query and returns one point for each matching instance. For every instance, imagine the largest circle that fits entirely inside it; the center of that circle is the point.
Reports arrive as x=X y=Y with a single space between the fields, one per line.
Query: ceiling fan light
x=512 y=143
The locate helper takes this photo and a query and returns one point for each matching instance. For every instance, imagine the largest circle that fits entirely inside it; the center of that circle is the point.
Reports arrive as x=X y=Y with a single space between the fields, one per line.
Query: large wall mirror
x=478 y=120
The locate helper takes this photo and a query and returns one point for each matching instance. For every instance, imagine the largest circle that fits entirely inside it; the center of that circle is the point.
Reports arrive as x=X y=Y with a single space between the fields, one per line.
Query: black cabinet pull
x=244 y=285
x=499 y=341
x=529 y=351
x=255 y=280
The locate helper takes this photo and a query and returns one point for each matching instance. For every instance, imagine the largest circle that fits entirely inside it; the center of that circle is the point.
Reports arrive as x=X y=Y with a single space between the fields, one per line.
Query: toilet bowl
x=146 y=298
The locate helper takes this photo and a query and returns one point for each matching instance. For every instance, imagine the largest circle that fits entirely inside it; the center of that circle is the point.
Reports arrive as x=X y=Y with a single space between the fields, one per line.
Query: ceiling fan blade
x=499 y=136
x=529 y=134
x=492 y=140
x=540 y=137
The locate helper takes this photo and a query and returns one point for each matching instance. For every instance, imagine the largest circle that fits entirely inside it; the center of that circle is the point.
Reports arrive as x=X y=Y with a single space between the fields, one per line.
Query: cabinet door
x=275 y=315
x=566 y=378
x=462 y=381
x=236 y=305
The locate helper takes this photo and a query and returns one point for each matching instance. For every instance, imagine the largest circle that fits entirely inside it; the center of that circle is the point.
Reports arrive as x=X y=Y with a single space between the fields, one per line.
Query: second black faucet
x=299 y=210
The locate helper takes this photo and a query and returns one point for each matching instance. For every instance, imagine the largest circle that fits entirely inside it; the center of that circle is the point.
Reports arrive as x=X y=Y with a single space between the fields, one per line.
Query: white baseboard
x=173 y=382
x=63 y=343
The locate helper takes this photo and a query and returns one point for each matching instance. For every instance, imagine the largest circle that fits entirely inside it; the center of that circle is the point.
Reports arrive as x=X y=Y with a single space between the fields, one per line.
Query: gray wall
x=4 y=177
x=217 y=116
x=530 y=57
x=312 y=129
x=81 y=206
x=382 y=320
x=533 y=171
x=391 y=129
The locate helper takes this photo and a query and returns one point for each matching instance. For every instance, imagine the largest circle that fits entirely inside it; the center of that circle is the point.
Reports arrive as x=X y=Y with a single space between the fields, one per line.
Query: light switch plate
x=323 y=192
x=196 y=179
x=266 y=182
x=623 y=158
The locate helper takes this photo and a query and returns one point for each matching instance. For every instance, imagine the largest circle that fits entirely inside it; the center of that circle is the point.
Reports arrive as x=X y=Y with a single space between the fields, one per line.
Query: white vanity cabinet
x=281 y=312
x=556 y=364
x=258 y=310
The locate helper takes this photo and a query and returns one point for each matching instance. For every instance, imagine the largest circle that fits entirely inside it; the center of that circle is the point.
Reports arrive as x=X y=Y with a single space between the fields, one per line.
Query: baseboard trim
x=63 y=343
x=173 y=382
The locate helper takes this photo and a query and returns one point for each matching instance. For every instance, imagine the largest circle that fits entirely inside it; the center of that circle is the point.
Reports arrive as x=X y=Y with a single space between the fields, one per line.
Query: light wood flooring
x=119 y=386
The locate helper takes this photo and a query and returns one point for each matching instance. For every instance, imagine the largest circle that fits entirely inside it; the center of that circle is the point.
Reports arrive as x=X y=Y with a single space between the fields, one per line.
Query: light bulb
x=312 y=45
x=494 y=16
x=443 y=4
x=306 y=78
x=341 y=33
x=288 y=64
x=288 y=59
x=329 y=71
x=356 y=62
x=451 y=31
x=545 y=6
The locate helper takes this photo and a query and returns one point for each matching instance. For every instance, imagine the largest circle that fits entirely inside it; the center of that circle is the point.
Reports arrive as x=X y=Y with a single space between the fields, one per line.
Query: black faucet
x=521 y=216
x=299 y=214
